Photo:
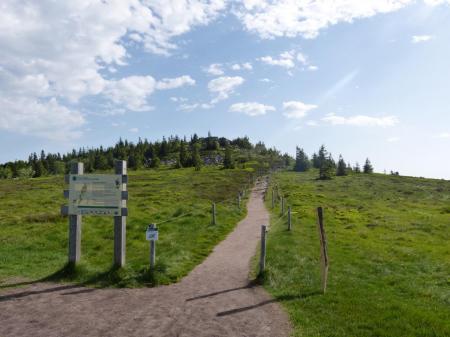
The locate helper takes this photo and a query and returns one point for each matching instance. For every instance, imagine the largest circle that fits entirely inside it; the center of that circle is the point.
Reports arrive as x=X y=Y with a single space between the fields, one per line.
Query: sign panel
x=95 y=194
x=152 y=234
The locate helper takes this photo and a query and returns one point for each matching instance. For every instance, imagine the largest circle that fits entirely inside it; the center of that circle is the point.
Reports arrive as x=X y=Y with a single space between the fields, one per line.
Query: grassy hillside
x=389 y=250
x=34 y=237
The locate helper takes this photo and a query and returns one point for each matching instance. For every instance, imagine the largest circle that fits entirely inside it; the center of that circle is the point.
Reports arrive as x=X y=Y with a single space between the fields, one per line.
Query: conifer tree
x=184 y=160
x=302 y=162
x=228 y=162
x=368 y=168
x=357 y=168
x=341 y=167
x=196 y=159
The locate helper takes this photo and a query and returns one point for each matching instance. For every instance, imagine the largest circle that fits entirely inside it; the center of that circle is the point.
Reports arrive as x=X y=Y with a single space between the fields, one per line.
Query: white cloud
x=251 y=108
x=265 y=80
x=313 y=68
x=131 y=92
x=296 y=109
x=215 y=69
x=172 y=83
x=311 y=123
x=59 y=49
x=291 y=18
x=46 y=119
x=361 y=120
x=444 y=135
x=243 y=66
x=236 y=66
x=134 y=130
x=178 y=99
x=285 y=60
x=224 y=86
x=421 y=38
x=393 y=139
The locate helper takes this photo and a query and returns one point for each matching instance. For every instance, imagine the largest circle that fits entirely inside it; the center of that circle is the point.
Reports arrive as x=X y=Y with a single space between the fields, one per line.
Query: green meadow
x=389 y=251
x=34 y=236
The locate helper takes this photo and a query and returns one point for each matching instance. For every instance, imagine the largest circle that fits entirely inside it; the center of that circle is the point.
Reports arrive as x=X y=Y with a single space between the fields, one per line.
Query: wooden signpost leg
x=323 y=250
x=262 y=258
x=120 y=222
x=213 y=213
x=75 y=222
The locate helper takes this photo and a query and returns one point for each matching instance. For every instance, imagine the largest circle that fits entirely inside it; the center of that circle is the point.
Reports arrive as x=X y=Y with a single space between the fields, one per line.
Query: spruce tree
x=183 y=156
x=196 y=159
x=368 y=168
x=302 y=162
x=228 y=162
x=341 y=167
x=357 y=168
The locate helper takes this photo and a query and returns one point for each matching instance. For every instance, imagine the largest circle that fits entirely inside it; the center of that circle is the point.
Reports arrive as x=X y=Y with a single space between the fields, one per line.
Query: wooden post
x=120 y=222
x=152 y=250
x=323 y=250
x=239 y=201
x=262 y=258
x=289 y=219
x=273 y=198
x=75 y=222
x=213 y=213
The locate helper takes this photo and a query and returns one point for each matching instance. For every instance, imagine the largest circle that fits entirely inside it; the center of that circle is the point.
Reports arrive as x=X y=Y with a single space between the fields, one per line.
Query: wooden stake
x=289 y=219
x=75 y=222
x=213 y=213
x=262 y=258
x=323 y=250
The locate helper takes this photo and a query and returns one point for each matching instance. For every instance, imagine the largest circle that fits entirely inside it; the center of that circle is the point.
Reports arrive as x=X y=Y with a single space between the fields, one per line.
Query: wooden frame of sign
x=115 y=196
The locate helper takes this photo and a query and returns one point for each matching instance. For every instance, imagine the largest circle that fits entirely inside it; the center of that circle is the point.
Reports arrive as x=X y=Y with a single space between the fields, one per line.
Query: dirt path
x=215 y=299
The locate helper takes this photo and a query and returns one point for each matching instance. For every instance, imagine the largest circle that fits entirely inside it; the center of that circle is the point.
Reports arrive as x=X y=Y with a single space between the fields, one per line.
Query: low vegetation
x=388 y=245
x=34 y=237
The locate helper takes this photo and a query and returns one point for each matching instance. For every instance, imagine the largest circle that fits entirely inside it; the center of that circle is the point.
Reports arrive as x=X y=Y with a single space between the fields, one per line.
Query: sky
x=365 y=78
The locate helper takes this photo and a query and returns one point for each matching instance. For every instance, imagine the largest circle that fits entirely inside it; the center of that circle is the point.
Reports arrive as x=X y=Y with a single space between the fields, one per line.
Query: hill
x=388 y=249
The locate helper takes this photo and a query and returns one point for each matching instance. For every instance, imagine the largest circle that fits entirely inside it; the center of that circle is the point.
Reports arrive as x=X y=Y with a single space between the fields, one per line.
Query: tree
x=228 y=162
x=183 y=156
x=155 y=162
x=368 y=168
x=327 y=168
x=302 y=163
x=196 y=159
x=341 y=167
x=357 y=168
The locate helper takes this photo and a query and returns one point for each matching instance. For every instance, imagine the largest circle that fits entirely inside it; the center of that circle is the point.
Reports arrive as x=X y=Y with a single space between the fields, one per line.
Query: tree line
x=326 y=165
x=174 y=151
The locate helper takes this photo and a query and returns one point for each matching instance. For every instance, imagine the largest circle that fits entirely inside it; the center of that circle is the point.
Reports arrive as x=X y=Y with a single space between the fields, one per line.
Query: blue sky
x=365 y=78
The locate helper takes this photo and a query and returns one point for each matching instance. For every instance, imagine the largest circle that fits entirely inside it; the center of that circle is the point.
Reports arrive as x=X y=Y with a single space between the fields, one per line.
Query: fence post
x=323 y=251
x=75 y=222
x=152 y=250
x=120 y=222
x=262 y=258
x=213 y=213
x=239 y=201
x=289 y=219
x=273 y=198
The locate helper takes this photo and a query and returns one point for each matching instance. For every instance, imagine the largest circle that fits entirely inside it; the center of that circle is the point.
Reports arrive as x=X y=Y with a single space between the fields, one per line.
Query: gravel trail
x=215 y=299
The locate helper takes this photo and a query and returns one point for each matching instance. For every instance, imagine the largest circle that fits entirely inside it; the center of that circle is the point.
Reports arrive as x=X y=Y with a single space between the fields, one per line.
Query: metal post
x=120 y=222
x=289 y=219
x=75 y=222
x=262 y=258
x=213 y=213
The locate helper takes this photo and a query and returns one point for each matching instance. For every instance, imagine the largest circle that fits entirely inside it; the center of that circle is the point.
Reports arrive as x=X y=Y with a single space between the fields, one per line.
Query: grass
x=34 y=237
x=388 y=245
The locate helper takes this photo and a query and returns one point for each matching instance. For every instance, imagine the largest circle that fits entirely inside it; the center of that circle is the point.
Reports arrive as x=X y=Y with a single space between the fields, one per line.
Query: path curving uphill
x=215 y=299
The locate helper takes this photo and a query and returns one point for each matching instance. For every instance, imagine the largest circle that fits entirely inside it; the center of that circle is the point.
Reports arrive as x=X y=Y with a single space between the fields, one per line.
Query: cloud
x=63 y=49
x=296 y=109
x=285 y=60
x=243 y=66
x=393 y=139
x=311 y=123
x=251 y=108
x=224 y=86
x=132 y=92
x=291 y=18
x=313 y=68
x=265 y=80
x=215 y=69
x=444 y=135
x=178 y=99
x=134 y=130
x=46 y=119
x=421 y=38
x=172 y=83
x=361 y=120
